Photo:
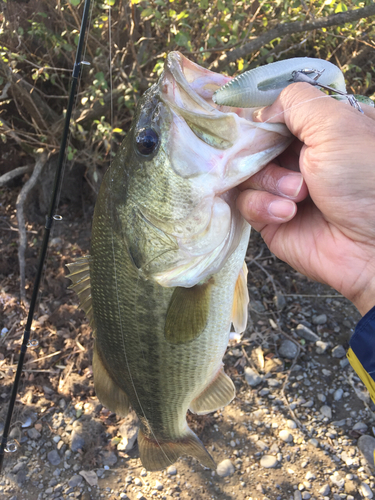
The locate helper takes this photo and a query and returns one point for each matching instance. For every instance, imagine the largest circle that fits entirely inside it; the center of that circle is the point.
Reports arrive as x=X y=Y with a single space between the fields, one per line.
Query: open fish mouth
x=237 y=147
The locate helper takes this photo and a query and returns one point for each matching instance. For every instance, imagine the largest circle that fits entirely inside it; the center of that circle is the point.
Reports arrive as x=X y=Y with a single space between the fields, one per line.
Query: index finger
x=307 y=112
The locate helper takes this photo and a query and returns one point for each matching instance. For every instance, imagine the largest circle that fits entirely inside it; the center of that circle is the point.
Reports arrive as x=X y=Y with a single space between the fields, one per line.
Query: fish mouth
x=242 y=146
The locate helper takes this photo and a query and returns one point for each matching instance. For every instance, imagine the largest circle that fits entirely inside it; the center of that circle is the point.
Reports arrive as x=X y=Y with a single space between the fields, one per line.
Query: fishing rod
x=47 y=229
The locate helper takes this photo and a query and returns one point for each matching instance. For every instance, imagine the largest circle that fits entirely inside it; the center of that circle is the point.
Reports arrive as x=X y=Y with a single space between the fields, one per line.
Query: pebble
x=288 y=349
x=158 y=485
x=78 y=441
x=75 y=481
x=54 y=457
x=291 y=424
x=321 y=346
x=279 y=301
x=360 y=426
x=252 y=377
x=268 y=461
x=307 y=334
x=33 y=433
x=326 y=411
x=338 y=351
x=225 y=468
x=172 y=471
x=337 y=480
x=109 y=458
x=320 y=319
x=325 y=490
x=137 y=481
x=365 y=490
x=321 y=398
x=314 y=442
x=366 y=445
x=297 y=495
x=286 y=436
x=310 y=475
x=338 y=394
x=129 y=432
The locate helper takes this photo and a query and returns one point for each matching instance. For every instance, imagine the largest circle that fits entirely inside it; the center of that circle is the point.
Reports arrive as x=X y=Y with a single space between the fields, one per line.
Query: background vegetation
x=126 y=47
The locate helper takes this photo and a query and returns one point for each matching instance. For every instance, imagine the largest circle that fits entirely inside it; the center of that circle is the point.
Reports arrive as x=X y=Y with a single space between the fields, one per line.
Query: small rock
x=129 y=432
x=75 y=480
x=350 y=487
x=321 y=346
x=140 y=496
x=78 y=440
x=325 y=490
x=337 y=480
x=306 y=495
x=172 y=471
x=54 y=457
x=338 y=352
x=314 y=442
x=252 y=377
x=261 y=445
x=360 y=426
x=365 y=490
x=307 y=334
x=326 y=411
x=158 y=485
x=90 y=477
x=286 y=436
x=21 y=476
x=279 y=301
x=225 y=468
x=109 y=458
x=310 y=475
x=320 y=319
x=322 y=397
x=344 y=362
x=291 y=424
x=137 y=481
x=268 y=461
x=33 y=433
x=338 y=394
x=288 y=349
x=366 y=445
x=297 y=495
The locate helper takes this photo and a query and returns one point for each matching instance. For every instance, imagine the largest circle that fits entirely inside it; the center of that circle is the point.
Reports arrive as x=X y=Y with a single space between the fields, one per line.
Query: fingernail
x=282 y=209
x=257 y=115
x=290 y=185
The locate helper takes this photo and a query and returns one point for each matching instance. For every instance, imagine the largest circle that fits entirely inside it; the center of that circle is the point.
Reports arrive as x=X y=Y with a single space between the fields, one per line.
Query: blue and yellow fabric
x=361 y=353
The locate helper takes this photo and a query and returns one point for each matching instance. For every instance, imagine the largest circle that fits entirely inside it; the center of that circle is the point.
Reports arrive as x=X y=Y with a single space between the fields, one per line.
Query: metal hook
x=303 y=76
x=11 y=447
x=57 y=217
x=33 y=343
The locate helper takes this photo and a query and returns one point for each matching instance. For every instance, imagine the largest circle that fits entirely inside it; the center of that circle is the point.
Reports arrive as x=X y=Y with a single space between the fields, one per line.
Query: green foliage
x=40 y=47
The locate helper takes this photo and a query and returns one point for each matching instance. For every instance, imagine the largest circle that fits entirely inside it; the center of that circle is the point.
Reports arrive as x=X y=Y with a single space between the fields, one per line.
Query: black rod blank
x=47 y=230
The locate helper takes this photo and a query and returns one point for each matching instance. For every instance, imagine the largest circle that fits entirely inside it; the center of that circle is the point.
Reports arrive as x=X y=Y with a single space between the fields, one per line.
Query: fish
x=166 y=278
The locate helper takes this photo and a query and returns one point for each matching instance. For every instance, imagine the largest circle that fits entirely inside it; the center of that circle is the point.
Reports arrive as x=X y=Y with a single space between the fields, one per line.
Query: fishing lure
x=261 y=86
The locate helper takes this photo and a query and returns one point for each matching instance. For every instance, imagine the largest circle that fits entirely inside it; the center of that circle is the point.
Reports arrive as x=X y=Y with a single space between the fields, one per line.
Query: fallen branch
x=17 y=172
x=291 y=28
x=41 y=161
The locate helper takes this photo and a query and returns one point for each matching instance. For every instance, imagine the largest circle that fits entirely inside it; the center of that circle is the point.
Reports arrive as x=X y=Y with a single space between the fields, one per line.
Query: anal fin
x=240 y=301
x=108 y=392
x=157 y=455
x=217 y=394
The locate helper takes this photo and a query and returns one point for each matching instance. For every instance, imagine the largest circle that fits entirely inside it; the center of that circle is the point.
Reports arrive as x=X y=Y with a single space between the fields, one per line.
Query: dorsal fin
x=79 y=274
x=240 y=301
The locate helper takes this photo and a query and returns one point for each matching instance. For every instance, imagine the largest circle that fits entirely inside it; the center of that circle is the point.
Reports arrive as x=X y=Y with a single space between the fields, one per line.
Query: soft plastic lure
x=261 y=86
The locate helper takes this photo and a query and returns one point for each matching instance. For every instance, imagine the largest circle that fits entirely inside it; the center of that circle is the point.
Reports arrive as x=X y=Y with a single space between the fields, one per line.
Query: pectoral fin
x=240 y=301
x=79 y=274
x=108 y=392
x=187 y=313
x=219 y=393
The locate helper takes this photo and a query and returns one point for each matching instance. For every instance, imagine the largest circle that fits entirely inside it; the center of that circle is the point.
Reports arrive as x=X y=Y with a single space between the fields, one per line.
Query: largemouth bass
x=166 y=276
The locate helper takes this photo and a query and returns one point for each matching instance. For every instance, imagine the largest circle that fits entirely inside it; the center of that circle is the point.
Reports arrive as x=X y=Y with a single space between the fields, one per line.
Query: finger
x=278 y=181
x=309 y=114
x=260 y=208
x=291 y=156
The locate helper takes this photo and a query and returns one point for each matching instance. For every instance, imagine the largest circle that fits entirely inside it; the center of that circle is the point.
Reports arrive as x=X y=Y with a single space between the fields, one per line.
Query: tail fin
x=157 y=455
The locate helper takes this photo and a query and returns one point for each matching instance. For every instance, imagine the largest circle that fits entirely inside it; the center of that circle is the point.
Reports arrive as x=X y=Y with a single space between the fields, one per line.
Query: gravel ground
x=300 y=427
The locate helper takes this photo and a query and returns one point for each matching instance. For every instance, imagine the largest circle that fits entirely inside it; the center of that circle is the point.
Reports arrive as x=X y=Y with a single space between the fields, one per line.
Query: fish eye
x=146 y=141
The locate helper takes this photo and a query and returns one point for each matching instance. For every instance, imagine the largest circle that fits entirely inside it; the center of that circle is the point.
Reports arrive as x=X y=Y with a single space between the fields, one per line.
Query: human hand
x=330 y=235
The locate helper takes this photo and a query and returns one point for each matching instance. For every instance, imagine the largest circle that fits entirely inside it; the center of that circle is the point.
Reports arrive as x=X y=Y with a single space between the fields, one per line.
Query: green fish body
x=165 y=279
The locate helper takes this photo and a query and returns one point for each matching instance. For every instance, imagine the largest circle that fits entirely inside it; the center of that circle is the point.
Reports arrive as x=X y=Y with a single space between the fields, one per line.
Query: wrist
x=364 y=300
